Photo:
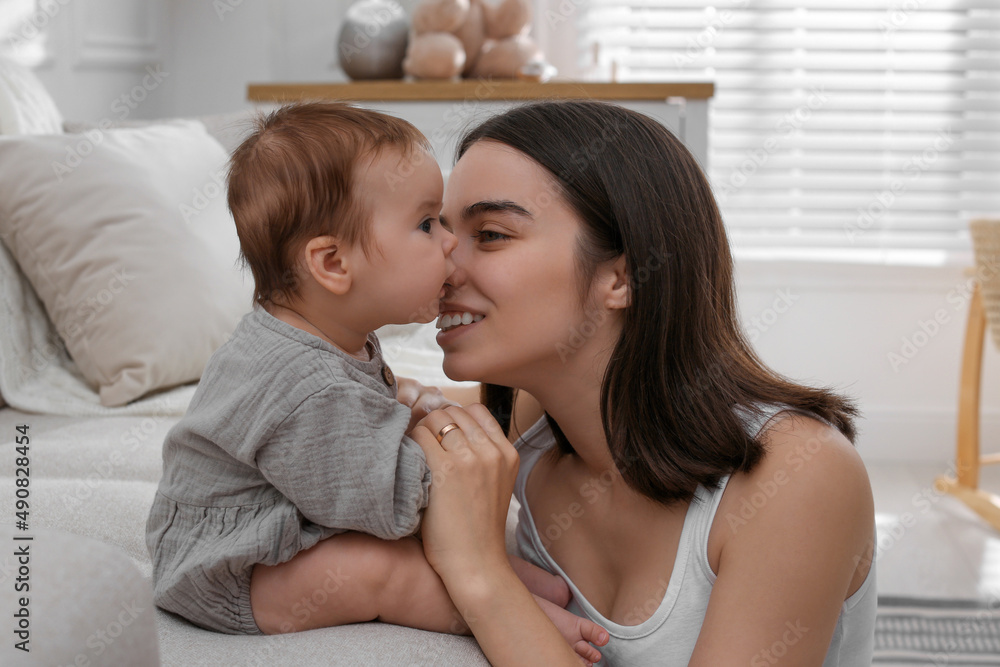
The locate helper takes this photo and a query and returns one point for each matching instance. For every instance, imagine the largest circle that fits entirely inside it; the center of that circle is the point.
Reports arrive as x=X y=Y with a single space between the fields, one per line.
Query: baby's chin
x=425 y=320
x=425 y=313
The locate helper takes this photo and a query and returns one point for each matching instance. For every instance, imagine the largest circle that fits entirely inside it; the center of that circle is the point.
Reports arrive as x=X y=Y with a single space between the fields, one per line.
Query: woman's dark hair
x=682 y=366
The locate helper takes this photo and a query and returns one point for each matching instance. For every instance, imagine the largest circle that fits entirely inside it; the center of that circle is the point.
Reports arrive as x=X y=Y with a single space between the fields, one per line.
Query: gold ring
x=446 y=429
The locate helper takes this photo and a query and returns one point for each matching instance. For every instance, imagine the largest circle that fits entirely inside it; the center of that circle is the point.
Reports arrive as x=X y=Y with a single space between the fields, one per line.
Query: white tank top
x=668 y=636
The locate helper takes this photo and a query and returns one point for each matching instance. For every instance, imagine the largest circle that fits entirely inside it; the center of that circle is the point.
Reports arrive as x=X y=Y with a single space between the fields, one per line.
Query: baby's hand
x=420 y=399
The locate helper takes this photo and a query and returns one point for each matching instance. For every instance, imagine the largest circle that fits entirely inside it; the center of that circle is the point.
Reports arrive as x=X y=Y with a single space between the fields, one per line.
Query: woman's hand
x=420 y=399
x=473 y=470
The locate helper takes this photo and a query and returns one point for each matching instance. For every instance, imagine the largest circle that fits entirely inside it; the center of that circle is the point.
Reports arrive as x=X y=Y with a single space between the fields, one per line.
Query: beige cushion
x=126 y=238
x=229 y=129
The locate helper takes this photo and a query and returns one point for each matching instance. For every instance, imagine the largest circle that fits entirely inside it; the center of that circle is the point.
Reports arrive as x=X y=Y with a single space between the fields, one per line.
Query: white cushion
x=25 y=105
x=86 y=605
x=96 y=476
x=126 y=238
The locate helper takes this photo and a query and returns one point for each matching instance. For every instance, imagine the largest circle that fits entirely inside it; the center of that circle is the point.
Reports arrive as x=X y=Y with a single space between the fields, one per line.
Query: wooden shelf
x=479 y=89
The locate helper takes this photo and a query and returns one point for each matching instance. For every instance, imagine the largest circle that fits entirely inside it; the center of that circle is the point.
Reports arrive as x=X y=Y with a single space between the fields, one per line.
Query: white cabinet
x=444 y=111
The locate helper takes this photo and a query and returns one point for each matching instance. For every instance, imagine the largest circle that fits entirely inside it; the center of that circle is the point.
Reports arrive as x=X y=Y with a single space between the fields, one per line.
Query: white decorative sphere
x=373 y=39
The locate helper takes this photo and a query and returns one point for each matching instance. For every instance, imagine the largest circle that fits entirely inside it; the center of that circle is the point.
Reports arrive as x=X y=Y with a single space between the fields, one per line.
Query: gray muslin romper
x=287 y=441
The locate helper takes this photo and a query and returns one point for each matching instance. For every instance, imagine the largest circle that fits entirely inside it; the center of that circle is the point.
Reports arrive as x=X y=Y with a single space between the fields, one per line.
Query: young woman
x=702 y=508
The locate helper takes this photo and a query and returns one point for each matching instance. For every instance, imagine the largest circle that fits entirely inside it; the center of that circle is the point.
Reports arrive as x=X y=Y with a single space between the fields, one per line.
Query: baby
x=295 y=435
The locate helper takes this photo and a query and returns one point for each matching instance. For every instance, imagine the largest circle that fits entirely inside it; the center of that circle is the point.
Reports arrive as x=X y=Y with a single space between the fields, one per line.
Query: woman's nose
x=449 y=243
x=457 y=276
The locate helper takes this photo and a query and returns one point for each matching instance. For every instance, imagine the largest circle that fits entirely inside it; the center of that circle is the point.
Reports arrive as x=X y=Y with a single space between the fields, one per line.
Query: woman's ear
x=329 y=264
x=617 y=292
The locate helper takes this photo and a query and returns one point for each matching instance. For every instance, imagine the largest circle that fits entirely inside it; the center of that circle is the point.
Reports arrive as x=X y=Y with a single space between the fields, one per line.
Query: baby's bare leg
x=541 y=583
x=578 y=632
x=353 y=578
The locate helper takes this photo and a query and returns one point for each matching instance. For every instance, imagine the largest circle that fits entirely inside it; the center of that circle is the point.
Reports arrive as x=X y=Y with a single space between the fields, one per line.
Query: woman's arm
x=785 y=571
x=507 y=622
x=473 y=471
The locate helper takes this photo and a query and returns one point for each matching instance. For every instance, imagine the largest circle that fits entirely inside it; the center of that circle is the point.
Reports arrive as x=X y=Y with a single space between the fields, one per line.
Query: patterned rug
x=913 y=631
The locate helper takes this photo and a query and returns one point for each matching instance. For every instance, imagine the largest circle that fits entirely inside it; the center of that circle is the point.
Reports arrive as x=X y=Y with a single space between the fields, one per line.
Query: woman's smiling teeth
x=452 y=321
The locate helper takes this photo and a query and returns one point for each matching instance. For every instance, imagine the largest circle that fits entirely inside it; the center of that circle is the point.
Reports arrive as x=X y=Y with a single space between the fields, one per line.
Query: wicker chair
x=984 y=306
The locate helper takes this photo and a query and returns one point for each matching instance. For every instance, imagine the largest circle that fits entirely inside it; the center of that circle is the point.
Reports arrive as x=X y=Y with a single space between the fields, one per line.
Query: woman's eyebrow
x=489 y=206
x=495 y=206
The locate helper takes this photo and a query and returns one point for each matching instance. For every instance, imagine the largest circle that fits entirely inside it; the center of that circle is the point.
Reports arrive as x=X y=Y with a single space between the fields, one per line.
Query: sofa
x=118 y=278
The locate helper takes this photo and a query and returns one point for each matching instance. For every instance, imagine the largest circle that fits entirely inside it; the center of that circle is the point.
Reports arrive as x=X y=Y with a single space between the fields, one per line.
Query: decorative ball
x=436 y=55
x=373 y=39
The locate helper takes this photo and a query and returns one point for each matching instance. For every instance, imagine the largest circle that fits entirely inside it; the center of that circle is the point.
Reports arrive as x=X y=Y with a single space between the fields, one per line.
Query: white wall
x=96 y=51
x=91 y=53
x=99 y=58
x=843 y=321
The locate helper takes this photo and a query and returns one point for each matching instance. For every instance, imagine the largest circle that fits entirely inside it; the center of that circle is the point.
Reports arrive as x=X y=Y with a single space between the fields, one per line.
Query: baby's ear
x=329 y=263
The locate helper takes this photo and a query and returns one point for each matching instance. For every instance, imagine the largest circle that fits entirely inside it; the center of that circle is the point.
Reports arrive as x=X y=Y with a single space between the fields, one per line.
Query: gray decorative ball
x=373 y=39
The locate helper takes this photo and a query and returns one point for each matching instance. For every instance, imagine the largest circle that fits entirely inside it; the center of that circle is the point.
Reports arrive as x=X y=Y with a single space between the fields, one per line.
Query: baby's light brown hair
x=293 y=179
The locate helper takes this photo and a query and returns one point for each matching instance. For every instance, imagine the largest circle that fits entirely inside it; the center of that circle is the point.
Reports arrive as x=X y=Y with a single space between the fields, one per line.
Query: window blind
x=836 y=123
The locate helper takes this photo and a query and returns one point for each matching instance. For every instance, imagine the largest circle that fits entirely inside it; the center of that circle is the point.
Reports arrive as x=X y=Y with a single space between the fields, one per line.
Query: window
x=836 y=123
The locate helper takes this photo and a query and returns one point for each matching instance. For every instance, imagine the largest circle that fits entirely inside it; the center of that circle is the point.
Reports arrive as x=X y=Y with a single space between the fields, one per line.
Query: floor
x=929 y=543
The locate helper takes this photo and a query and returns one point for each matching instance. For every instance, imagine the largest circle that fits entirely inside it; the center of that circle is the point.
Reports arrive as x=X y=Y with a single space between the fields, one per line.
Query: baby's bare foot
x=541 y=583
x=577 y=631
